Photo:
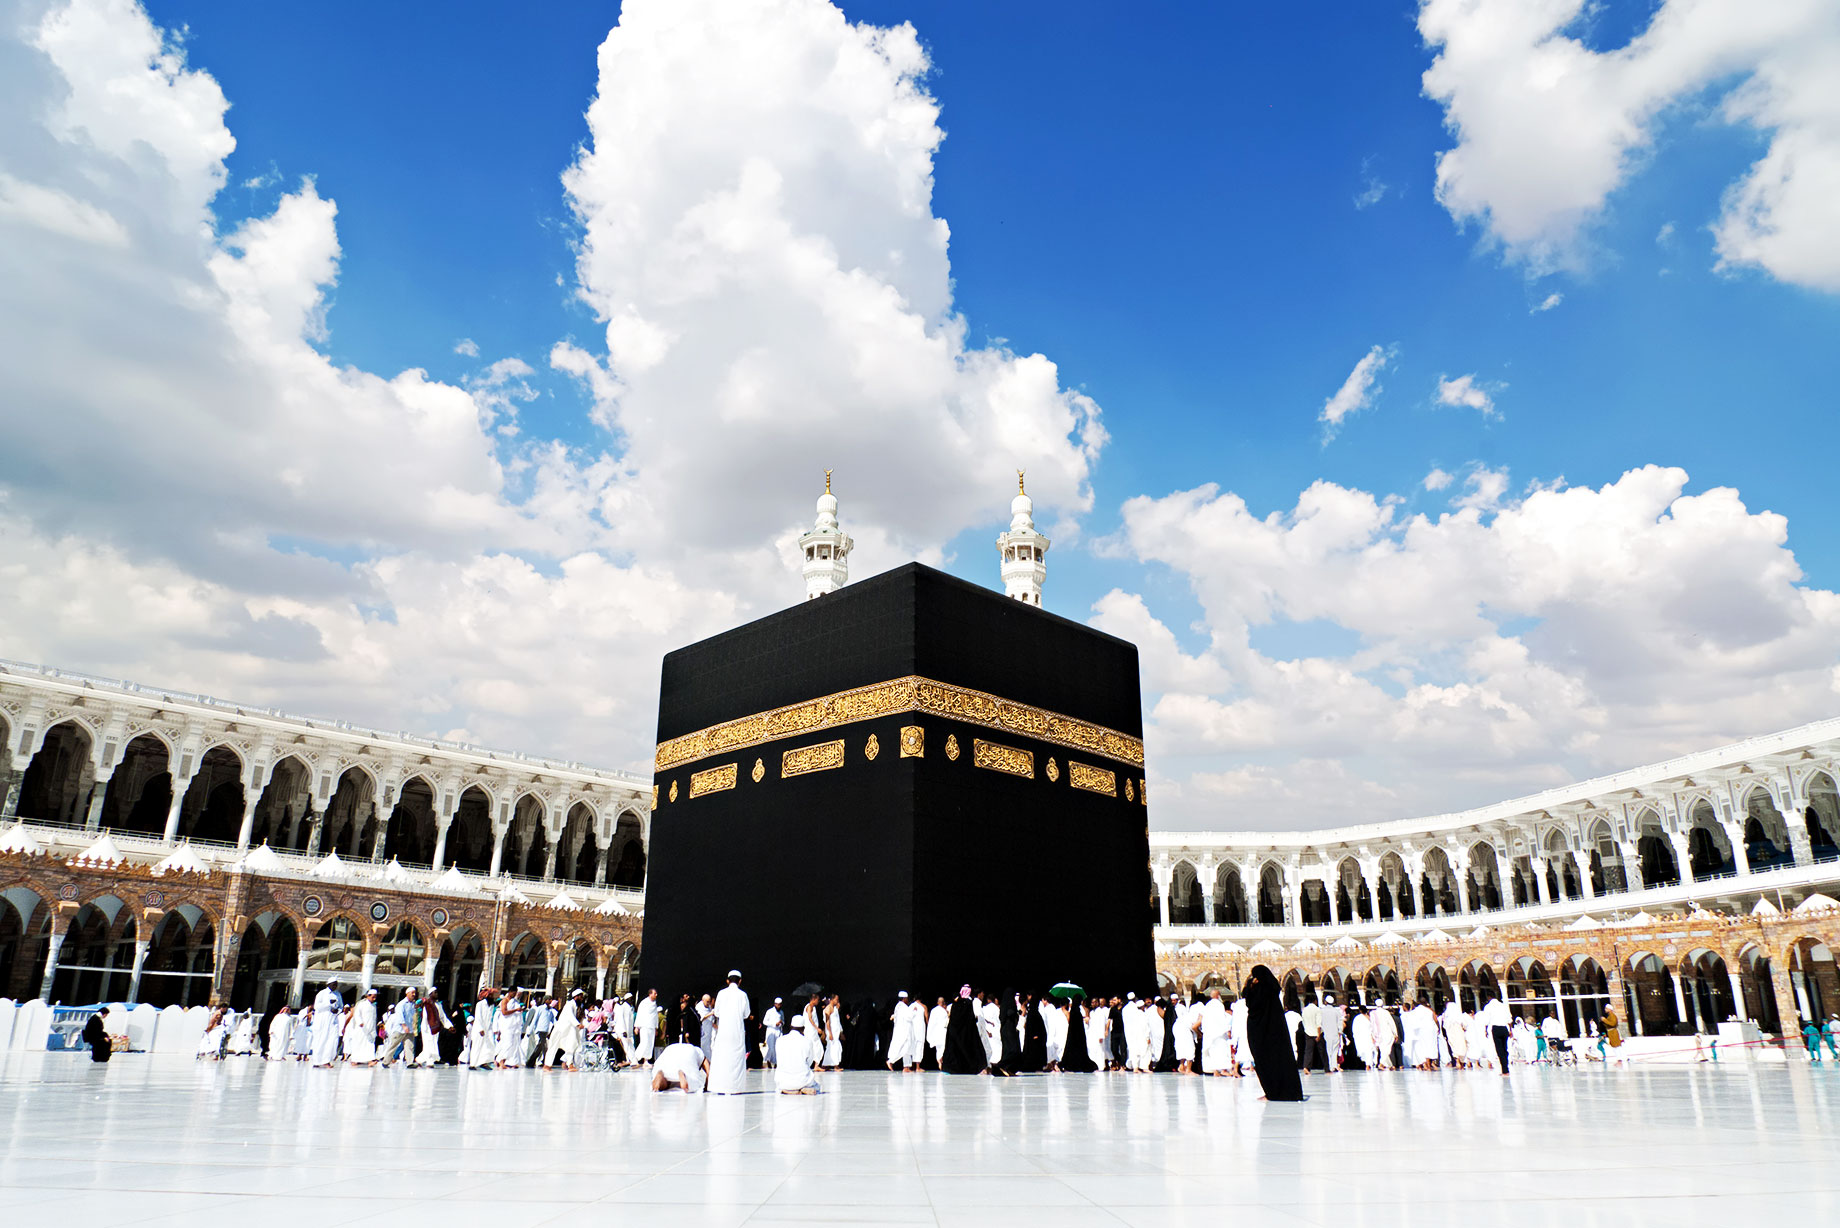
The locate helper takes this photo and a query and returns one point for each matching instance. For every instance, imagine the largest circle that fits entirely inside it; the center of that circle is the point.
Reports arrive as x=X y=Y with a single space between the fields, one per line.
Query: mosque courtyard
x=160 y=1140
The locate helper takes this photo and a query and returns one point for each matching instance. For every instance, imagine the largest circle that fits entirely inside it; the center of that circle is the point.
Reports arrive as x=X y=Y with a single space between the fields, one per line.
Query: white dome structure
x=1022 y=552
x=825 y=548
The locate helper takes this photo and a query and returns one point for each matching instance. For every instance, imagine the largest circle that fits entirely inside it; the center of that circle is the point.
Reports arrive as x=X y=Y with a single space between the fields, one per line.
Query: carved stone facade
x=125 y=932
x=287 y=824
x=1709 y=875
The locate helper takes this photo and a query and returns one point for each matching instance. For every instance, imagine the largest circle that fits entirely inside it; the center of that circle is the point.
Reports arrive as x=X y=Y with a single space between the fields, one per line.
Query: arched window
x=402 y=952
x=337 y=948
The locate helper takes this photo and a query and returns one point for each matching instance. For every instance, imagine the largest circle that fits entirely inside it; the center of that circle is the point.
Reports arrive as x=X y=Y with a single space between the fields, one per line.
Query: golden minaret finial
x=827 y=481
x=1019 y=489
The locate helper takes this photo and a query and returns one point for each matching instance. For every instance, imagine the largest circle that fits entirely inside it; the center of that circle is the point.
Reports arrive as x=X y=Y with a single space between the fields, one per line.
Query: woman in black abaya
x=1034 y=1038
x=1166 y=1060
x=1074 y=1058
x=964 y=1052
x=1268 y=1036
x=1010 y=1060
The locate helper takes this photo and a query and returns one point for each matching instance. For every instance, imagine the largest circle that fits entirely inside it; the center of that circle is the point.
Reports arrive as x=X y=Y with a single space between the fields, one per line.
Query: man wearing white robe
x=1386 y=1031
x=1136 y=1035
x=990 y=1020
x=1362 y=1029
x=1421 y=1036
x=564 y=1042
x=328 y=1013
x=1242 y=1049
x=901 y=1050
x=794 y=1075
x=479 y=1045
x=936 y=1022
x=1054 y=1023
x=361 y=1031
x=1216 y=1036
x=916 y=1034
x=728 y=1049
x=1187 y=1019
x=1456 y=1037
x=645 y=1029
x=620 y=1021
x=769 y=1027
x=1098 y=1027
x=280 y=1034
x=681 y=1066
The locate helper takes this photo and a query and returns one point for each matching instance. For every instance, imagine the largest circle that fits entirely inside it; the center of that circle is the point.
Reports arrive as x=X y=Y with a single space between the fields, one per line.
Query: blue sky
x=1204 y=217
x=1165 y=207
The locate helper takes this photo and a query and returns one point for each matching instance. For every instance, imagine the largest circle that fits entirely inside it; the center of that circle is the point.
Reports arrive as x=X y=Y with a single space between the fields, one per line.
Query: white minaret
x=826 y=548
x=1023 y=550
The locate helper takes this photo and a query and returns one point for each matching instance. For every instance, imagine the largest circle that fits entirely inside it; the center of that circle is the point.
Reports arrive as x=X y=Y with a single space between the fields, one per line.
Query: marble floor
x=164 y=1141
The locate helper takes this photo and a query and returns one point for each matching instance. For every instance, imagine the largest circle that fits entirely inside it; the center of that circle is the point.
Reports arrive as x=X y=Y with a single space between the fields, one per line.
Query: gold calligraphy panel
x=819 y=757
x=1093 y=779
x=999 y=758
x=713 y=780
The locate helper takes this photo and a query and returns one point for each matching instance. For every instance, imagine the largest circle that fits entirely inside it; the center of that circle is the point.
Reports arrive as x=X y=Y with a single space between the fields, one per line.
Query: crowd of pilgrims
x=688 y=1043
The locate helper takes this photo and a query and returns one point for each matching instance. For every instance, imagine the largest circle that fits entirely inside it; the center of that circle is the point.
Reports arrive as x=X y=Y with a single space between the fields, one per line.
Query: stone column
x=368 y=971
x=600 y=971
x=1737 y=993
x=98 y=794
x=1582 y=864
x=53 y=945
x=1680 y=1003
x=385 y=812
x=140 y=961
x=1542 y=894
x=9 y=787
x=1740 y=855
x=300 y=979
x=549 y=859
x=1683 y=861
x=315 y=830
x=1787 y=1013
x=1797 y=823
x=1205 y=875
x=440 y=843
x=1632 y=865
x=600 y=867
x=1165 y=877
x=180 y=787
x=251 y=800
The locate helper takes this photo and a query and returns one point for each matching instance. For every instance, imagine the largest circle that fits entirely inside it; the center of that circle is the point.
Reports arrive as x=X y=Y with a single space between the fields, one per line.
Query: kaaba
x=908 y=783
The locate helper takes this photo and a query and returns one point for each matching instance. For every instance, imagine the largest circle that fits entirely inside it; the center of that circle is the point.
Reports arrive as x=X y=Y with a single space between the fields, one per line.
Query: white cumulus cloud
x=1463 y=392
x=1357 y=391
x=1436 y=662
x=1548 y=128
x=757 y=231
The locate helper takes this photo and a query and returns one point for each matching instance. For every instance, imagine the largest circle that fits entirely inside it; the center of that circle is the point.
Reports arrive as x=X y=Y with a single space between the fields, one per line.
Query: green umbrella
x=1066 y=989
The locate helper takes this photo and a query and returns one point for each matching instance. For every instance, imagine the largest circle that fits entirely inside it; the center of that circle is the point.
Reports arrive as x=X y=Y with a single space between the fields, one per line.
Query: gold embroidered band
x=901 y=695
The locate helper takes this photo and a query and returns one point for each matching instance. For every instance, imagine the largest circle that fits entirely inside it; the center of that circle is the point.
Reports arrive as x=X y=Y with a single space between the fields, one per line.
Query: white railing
x=1604 y=908
x=163 y=695
x=65 y=841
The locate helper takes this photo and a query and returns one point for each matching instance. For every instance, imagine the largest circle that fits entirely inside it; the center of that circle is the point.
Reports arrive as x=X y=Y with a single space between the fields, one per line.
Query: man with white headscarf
x=903 y=1051
x=328 y=1018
